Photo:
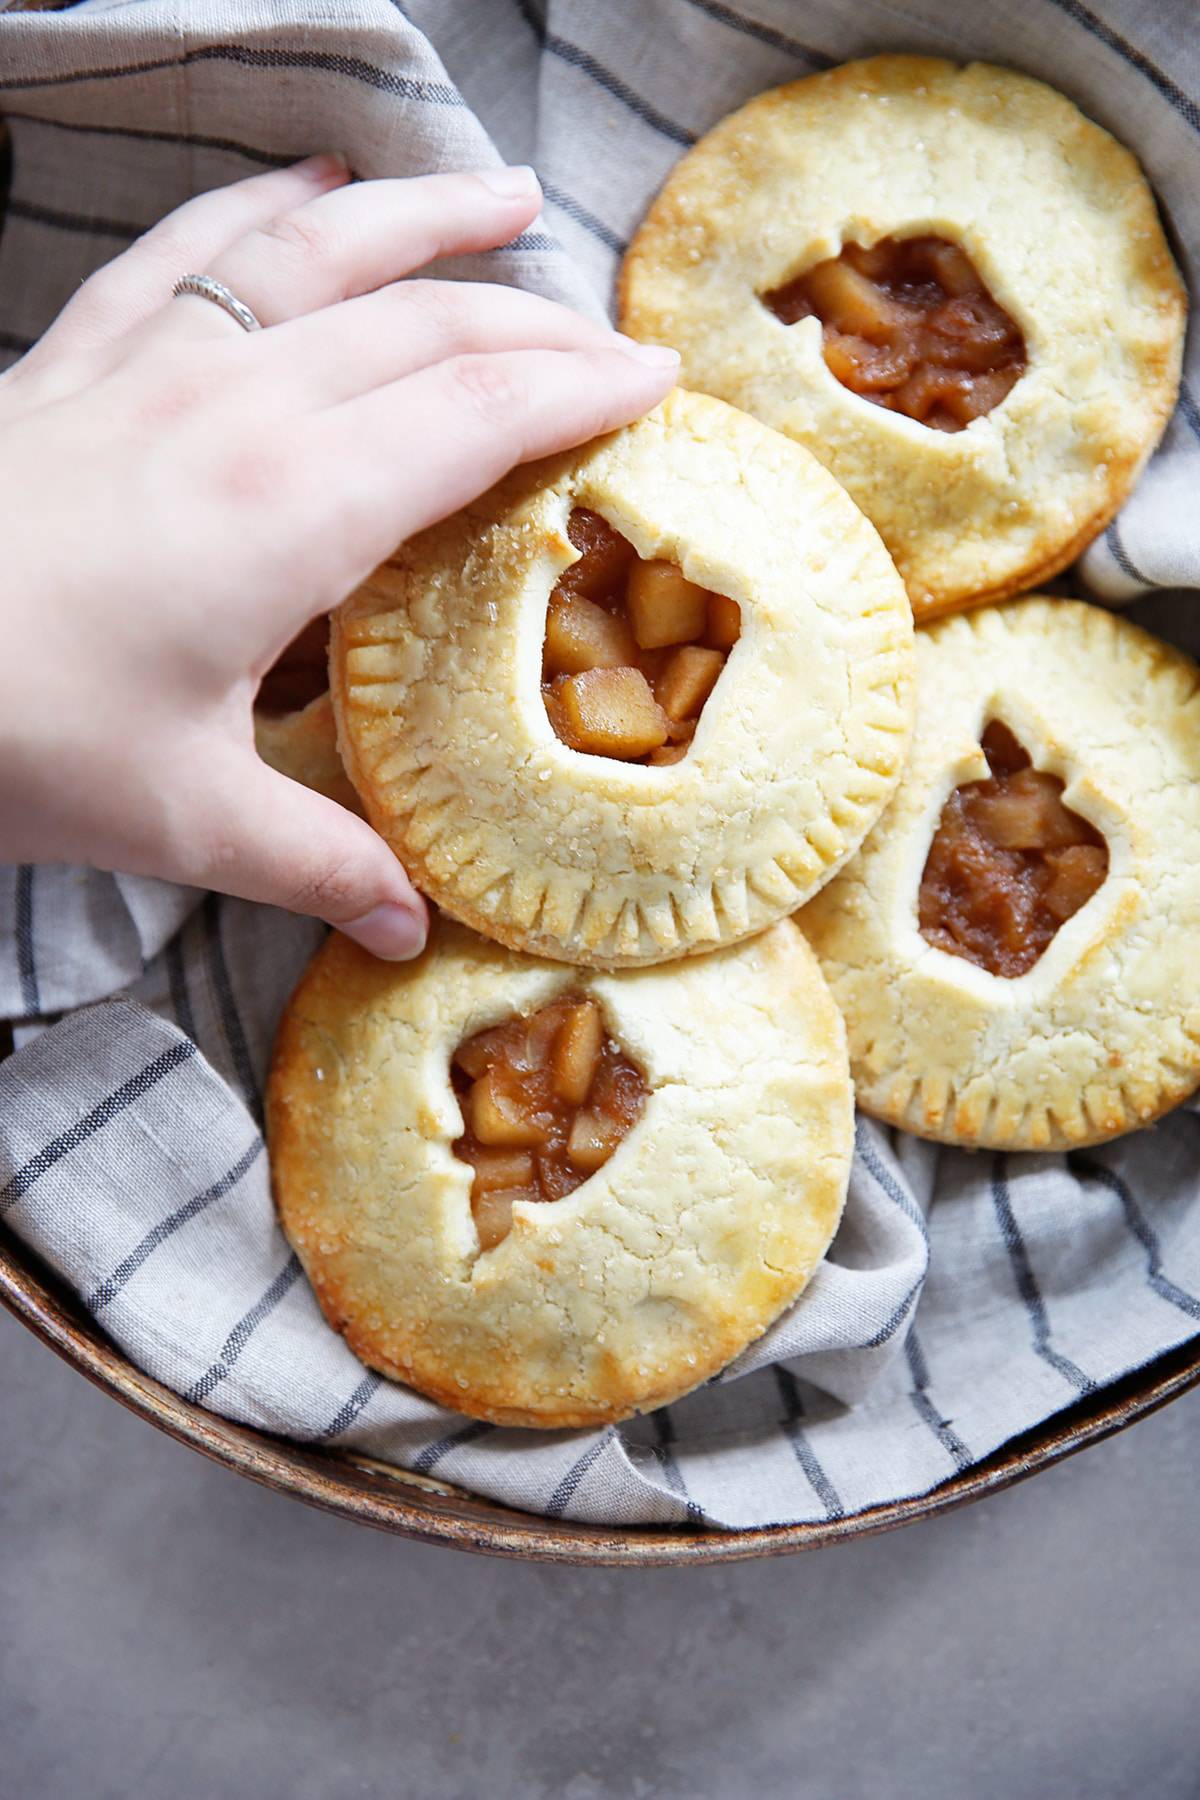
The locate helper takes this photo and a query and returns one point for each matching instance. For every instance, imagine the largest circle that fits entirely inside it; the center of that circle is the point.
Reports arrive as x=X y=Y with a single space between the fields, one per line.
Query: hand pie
x=294 y=730
x=638 y=701
x=303 y=746
x=949 y=285
x=553 y=1198
x=1015 y=947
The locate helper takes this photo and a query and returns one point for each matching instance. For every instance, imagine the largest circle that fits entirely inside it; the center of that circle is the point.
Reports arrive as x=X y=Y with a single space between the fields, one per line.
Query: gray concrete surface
x=169 y=1631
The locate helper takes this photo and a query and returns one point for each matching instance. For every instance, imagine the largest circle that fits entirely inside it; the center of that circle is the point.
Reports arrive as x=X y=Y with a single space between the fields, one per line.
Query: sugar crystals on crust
x=707 y=784
x=677 y=1248
x=1014 y=948
x=990 y=406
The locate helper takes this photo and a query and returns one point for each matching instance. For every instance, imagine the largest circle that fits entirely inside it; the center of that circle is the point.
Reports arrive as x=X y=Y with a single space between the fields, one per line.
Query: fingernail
x=394 y=933
x=516 y=183
x=324 y=167
x=655 y=356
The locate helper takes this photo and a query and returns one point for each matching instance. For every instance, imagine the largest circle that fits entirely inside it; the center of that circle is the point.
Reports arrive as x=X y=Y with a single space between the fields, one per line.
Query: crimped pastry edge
x=931 y=1100
x=612 y=926
x=343 y=994
x=933 y=593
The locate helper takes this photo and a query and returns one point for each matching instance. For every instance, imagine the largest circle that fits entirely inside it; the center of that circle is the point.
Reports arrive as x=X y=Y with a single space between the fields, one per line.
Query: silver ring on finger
x=205 y=288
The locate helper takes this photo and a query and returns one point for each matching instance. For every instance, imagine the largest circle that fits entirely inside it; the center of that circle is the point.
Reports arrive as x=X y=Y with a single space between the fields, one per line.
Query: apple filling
x=632 y=650
x=1009 y=863
x=546 y=1100
x=300 y=674
x=910 y=325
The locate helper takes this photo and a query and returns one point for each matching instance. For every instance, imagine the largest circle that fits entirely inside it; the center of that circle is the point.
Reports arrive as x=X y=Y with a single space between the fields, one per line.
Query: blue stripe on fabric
x=793 y=1430
x=433 y=1453
x=354 y=68
x=181 y=1004
x=231 y=1022
x=1122 y=557
x=404 y=87
x=530 y=240
x=101 y=1115
x=887 y=1182
x=765 y=34
x=1142 y=1230
x=926 y=1411
x=880 y=1173
x=563 y=1493
x=664 y=1427
x=345 y=1416
x=68 y=221
x=112 y=1284
x=270 y=159
x=76 y=222
x=26 y=962
x=533 y=18
x=244 y=1330
x=1183 y=103
x=587 y=220
x=892 y=1325
x=577 y=58
x=1189 y=409
x=1026 y=1281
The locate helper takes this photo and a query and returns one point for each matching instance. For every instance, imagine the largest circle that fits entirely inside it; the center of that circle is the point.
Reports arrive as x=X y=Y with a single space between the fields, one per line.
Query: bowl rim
x=358 y=1487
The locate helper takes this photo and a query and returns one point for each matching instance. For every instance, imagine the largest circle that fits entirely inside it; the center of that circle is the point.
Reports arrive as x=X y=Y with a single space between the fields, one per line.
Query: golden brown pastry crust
x=436 y=682
x=1059 y=221
x=1103 y=1033
x=303 y=746
x=706 y=1222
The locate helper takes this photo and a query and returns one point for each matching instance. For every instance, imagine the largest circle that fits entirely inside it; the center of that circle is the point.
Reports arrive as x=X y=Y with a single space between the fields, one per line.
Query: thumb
x=280 y=843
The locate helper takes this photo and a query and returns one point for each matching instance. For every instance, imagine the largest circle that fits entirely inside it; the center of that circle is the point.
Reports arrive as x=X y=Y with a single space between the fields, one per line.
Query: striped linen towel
x=966 y=1297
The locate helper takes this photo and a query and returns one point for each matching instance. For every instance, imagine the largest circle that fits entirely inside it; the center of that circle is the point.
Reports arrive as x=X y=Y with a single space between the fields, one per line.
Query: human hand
x=182 y=497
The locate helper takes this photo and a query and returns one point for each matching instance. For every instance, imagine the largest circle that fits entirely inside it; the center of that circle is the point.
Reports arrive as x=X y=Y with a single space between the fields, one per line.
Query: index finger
x=415 y=450
x=126 y=291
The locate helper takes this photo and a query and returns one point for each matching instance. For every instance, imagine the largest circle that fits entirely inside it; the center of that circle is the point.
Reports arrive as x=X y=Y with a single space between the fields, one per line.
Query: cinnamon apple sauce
x=910 y=325
x=1009 y=863
x=546 y=1099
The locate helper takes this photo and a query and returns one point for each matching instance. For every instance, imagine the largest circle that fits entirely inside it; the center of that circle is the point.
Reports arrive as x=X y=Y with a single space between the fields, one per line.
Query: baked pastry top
x=696 y=1121
x=721 y=775
x=947 y=283
x=1015 y=947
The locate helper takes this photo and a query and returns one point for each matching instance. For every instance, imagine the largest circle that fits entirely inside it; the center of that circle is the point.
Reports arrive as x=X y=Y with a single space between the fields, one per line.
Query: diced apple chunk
x=850 y=302
x=476 y=1056
x=497 y=1117
x=610 y=712
x=1030 y=815
x=501 y=1169
x=533 y=1053
x=670 y=753
x=687 y=681
x=664 y=608
x=493 y=1213
x=577 y=1052
x=1076 y=873
x=581 y=635
x=594 y=1137
x=953 y=269
x=724 y=624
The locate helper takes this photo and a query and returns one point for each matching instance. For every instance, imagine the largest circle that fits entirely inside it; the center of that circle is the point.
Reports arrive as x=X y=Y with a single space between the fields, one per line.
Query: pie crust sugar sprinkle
x=812 y=195
x=771 y=641
x=1014 y=947
x=689 y=1233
